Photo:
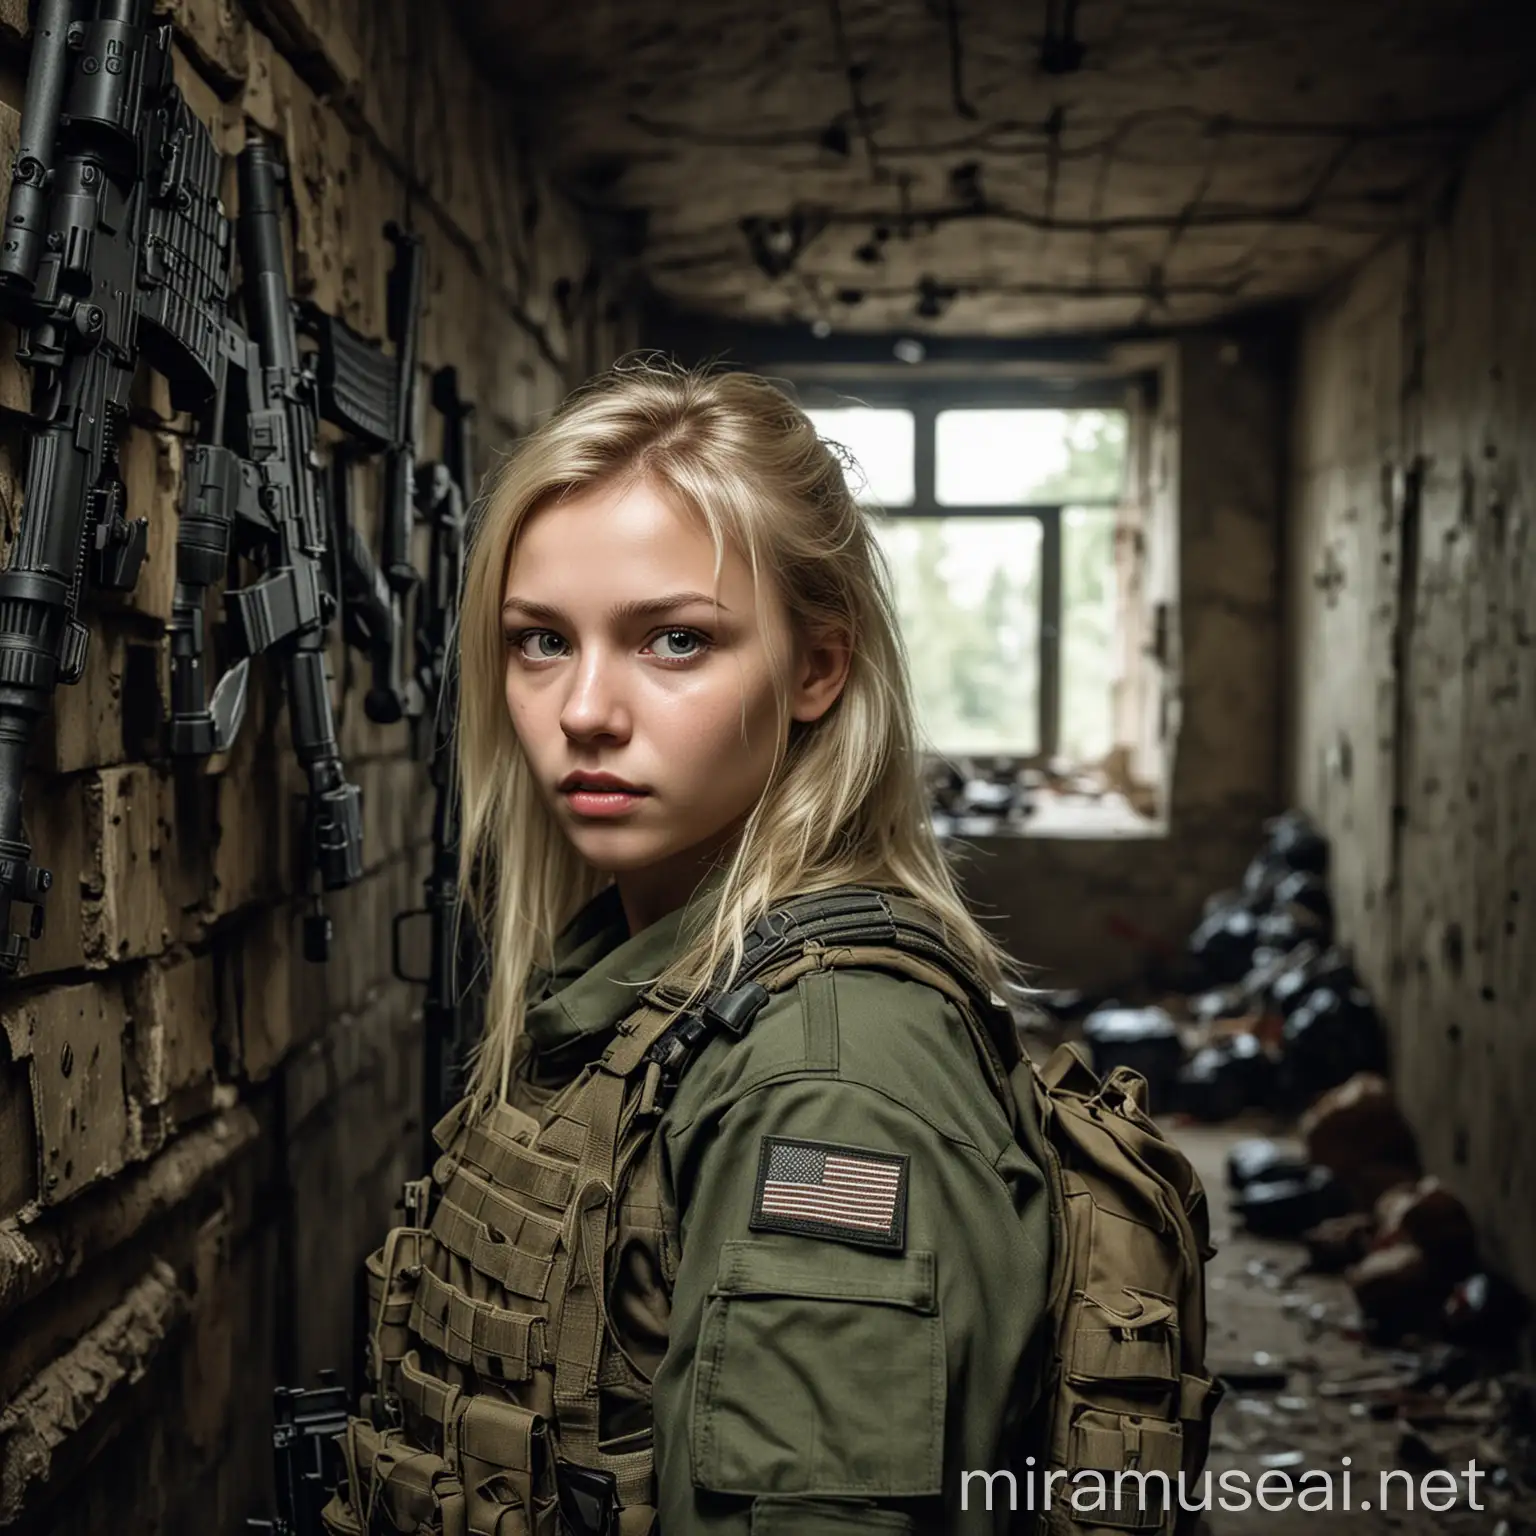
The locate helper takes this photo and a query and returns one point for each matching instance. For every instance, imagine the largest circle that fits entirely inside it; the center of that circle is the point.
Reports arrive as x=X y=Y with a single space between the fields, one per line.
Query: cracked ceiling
x=975 y=167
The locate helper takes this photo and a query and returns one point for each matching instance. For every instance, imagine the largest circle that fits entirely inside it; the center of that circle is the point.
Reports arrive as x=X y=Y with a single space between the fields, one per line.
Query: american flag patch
x=821 y=1190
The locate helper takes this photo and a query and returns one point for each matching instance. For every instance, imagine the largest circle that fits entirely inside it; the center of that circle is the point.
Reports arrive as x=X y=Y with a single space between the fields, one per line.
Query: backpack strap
x=844 y=926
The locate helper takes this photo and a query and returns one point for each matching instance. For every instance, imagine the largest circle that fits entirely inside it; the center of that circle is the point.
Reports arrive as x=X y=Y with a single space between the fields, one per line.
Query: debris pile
x=980 y=796
x=976 y=797
x=1270 y=1015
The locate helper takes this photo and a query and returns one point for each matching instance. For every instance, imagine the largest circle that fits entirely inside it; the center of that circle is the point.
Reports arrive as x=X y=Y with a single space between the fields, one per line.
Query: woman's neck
x=648 y=895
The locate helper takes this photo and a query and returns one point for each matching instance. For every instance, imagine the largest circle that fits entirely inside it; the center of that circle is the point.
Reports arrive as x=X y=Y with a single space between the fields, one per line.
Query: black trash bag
x=1311 y=968
x=1227 y=901
x=1329 y=1036
x=1301 y=888
x=1144 y=1039
x=1268 y=962
x=1222 y=1079
x=1258 y=1160
x=1222 y=946
x=1297 y=843
x=1288 y=1207
x=1220 y=1003
x=1485 y=1310
x=1284 y=929
x=1265 y=871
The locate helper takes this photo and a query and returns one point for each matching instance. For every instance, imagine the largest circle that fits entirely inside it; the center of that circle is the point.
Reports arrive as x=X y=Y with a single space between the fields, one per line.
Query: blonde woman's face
x=641 y=688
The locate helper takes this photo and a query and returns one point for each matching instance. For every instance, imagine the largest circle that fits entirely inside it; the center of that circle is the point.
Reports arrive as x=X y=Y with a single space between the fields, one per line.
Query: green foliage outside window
x=968 y=589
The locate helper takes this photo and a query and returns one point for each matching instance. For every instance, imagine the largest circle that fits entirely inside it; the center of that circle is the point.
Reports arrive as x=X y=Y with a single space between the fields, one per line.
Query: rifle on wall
x=452 y=1008
x=371 y=396
x=115 y=246
x=288 y=609
x=284 y=512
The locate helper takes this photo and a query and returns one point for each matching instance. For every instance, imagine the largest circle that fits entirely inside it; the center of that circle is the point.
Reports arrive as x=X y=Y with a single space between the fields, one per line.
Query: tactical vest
x=491 y=1339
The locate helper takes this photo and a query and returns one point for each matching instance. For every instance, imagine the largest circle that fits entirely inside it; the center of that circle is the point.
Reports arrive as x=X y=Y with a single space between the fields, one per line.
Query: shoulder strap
x=847 y=925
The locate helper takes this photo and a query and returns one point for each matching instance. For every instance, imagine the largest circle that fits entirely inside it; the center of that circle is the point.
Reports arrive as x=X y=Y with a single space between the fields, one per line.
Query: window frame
x=926 y=400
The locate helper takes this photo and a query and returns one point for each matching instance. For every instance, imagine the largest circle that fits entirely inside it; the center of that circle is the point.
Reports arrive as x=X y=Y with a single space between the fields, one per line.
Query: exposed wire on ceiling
x=1221 y=216
x=1184 y=288
x=854 y=74
x=957 y=62
x=1037 y=133
x=978 y=190
x=1156 y=284
x=1060 y=51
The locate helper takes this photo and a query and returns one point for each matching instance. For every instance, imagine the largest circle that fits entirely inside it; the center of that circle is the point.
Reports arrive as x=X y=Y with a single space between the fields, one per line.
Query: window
x=880 y=442
x=998 y=522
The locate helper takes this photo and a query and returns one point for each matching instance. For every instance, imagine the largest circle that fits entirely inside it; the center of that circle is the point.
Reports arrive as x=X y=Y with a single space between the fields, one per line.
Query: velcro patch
x=817 y=1189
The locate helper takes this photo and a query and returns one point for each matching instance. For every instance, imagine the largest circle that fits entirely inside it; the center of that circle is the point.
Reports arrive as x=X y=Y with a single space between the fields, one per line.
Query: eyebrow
x=639 y=608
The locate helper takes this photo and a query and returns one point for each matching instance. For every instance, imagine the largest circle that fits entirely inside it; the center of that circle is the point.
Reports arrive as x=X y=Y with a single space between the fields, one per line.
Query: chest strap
x=844 y=927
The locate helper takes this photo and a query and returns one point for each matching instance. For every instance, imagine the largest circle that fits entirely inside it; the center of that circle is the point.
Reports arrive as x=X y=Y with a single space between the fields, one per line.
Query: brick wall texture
x=201 y=1133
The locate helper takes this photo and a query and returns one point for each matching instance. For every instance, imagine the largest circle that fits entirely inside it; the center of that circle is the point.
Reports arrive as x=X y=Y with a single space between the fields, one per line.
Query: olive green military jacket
x=823 y=1359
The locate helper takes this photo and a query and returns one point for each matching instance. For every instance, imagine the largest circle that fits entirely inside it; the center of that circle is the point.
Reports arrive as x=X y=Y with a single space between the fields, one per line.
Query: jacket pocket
x=820 y=1371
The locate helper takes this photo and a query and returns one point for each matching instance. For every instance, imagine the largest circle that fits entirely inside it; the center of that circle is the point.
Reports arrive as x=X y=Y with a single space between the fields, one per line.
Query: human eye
x=535 y=644
x=680 y=644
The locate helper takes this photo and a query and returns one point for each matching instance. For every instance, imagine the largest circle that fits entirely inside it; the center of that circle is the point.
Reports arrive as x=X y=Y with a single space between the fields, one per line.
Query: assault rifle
x=114 y=247
x=276 y=506
x=304 y=1455
x=288 y=609
x=371 y=396
x=451 y=1010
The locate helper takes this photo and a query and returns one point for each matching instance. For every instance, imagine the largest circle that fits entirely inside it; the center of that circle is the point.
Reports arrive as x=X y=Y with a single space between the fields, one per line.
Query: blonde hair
x=845 y=801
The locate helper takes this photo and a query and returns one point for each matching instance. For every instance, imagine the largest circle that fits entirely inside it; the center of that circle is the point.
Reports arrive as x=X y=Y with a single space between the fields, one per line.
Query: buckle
x=766 y=937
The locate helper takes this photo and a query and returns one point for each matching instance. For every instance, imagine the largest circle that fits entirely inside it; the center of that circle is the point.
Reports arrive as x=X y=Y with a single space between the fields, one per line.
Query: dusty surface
x=889 y=163
x=1412 y=565
x=1260 y=1307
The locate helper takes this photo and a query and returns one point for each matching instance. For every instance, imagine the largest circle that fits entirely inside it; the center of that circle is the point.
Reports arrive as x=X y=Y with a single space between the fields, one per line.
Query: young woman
x=792 y=1288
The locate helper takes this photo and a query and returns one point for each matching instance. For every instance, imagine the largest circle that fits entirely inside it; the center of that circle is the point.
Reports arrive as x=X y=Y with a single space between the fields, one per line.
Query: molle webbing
x=506 y=1346
x=518 y=1256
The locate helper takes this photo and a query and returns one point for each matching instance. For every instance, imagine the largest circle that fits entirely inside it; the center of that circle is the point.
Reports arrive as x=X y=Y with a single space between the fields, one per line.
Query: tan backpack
x=1127 y=1393
x=1124 y=1392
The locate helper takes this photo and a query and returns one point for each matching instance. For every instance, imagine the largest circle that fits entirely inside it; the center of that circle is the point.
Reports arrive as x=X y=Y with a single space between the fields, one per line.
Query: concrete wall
x=201 y=1134
x=1089 y=911
x=1412 y=581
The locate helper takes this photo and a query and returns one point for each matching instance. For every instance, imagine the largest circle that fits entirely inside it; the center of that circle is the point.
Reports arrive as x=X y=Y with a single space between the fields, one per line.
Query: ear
x=821 y=670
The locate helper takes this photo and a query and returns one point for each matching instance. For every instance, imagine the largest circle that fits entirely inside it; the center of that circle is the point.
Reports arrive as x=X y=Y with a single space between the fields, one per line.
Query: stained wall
x=1412 y=634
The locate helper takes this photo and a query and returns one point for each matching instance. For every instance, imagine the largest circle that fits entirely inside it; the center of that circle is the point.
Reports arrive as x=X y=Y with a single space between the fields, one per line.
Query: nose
x=595 y=708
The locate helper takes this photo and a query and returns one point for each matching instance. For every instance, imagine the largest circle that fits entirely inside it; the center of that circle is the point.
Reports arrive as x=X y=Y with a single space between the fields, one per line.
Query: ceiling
x=981 y=167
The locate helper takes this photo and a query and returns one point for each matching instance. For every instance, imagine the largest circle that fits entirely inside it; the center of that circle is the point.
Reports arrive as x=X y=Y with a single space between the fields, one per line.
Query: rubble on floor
x=1266 y=1013
x=1264 y=1042
x=1309 y=1384
x=980 y=796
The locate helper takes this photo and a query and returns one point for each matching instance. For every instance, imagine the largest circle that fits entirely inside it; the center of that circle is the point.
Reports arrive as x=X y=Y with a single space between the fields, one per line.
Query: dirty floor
x=1266 y=1317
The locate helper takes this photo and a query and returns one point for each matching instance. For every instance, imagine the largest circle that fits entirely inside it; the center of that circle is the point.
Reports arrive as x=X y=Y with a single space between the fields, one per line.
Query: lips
x=600 y=784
